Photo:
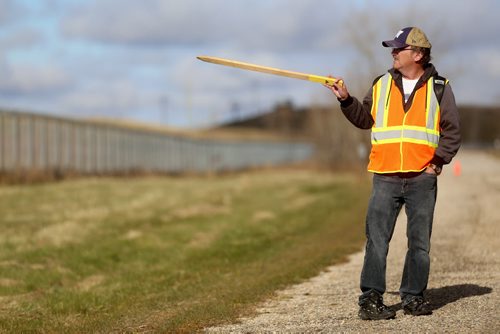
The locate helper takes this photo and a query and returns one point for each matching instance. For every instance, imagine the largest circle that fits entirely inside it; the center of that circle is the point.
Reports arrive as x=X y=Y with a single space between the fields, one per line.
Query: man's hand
x=433 y=169
x=429 y=170
x=339 y=90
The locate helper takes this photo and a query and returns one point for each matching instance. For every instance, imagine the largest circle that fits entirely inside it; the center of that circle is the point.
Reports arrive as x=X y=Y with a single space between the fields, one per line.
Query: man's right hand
x=340 y=90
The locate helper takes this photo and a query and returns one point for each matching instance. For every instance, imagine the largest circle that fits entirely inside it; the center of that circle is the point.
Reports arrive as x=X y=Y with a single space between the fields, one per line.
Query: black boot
x=371 y=307
x=416 y=305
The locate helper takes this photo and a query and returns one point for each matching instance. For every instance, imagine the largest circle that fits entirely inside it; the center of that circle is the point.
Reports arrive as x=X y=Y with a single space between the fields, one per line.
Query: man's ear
x=417 y=56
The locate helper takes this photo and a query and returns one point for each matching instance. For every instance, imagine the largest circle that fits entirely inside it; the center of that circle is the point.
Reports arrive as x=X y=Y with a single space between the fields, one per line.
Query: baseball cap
x=408 y=36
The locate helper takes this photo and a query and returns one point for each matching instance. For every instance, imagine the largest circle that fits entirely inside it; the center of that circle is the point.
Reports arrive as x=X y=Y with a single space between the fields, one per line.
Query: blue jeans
x=389 y=193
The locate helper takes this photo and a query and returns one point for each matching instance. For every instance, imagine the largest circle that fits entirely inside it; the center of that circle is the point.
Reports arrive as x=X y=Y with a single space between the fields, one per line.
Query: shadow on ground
x=440 y=297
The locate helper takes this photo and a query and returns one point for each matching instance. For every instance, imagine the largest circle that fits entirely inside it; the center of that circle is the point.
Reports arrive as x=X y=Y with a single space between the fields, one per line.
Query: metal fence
x=33 y=142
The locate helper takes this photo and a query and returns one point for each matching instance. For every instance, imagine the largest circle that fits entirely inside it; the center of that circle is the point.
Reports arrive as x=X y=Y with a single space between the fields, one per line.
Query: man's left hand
x=429 y=170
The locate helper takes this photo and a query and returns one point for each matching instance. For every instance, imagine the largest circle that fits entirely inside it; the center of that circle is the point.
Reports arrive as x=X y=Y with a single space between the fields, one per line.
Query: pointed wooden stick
x=270 y=70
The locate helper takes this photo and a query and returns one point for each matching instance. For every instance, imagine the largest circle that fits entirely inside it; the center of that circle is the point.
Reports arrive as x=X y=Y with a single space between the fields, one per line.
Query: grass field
x=167 y=254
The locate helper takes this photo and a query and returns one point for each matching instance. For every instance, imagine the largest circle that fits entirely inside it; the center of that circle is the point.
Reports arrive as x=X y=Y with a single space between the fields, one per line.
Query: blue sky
x=136 y=60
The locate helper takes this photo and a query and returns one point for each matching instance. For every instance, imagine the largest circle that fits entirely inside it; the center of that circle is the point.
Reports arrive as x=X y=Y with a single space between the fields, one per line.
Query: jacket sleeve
x=359 y=114
x=450 y=138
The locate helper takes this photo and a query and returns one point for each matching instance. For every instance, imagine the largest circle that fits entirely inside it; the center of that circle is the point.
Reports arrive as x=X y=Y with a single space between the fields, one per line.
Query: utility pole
x=163 y=104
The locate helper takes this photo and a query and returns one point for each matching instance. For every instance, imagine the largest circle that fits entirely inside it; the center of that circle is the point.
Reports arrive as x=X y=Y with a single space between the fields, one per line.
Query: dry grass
x=166 y=254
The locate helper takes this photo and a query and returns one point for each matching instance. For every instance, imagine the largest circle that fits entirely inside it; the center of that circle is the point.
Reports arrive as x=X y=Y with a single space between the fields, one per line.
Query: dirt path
x=464 y=285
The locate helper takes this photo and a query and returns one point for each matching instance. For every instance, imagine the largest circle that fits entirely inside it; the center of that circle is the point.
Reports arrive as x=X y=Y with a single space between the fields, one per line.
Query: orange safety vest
x=403 y=141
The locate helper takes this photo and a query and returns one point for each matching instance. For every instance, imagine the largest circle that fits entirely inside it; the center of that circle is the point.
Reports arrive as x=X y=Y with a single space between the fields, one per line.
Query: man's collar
x=429 y=71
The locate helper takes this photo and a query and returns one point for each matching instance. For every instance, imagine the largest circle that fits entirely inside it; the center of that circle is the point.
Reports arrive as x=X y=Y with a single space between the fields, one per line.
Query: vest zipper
x=388 y=97
x=401 y=142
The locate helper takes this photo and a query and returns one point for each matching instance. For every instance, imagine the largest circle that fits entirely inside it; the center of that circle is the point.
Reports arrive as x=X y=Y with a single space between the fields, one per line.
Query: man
x=415 y=131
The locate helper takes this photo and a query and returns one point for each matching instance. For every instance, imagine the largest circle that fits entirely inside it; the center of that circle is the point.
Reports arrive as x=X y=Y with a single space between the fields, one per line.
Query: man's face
x=404 y=57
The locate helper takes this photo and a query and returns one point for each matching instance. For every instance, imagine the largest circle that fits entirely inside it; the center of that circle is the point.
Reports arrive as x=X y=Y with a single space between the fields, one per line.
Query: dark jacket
x=359 y=114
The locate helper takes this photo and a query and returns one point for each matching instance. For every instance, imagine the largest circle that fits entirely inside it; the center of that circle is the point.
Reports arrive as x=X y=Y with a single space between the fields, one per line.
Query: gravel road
x=464 y=286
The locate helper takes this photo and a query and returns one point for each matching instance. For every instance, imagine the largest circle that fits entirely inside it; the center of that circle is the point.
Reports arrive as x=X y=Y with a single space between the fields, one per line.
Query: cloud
x=473 y=23
x=8 y=10
x=121 y=57
x=23 y=79
x=20 y=39
x=277 y=25
x=112 y=99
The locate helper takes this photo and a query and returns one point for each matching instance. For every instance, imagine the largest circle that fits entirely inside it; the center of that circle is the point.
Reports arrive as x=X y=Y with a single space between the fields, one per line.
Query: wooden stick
x=269 y=70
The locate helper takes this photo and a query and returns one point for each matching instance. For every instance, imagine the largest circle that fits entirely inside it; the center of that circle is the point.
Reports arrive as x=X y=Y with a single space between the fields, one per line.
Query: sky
x=136 y=59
